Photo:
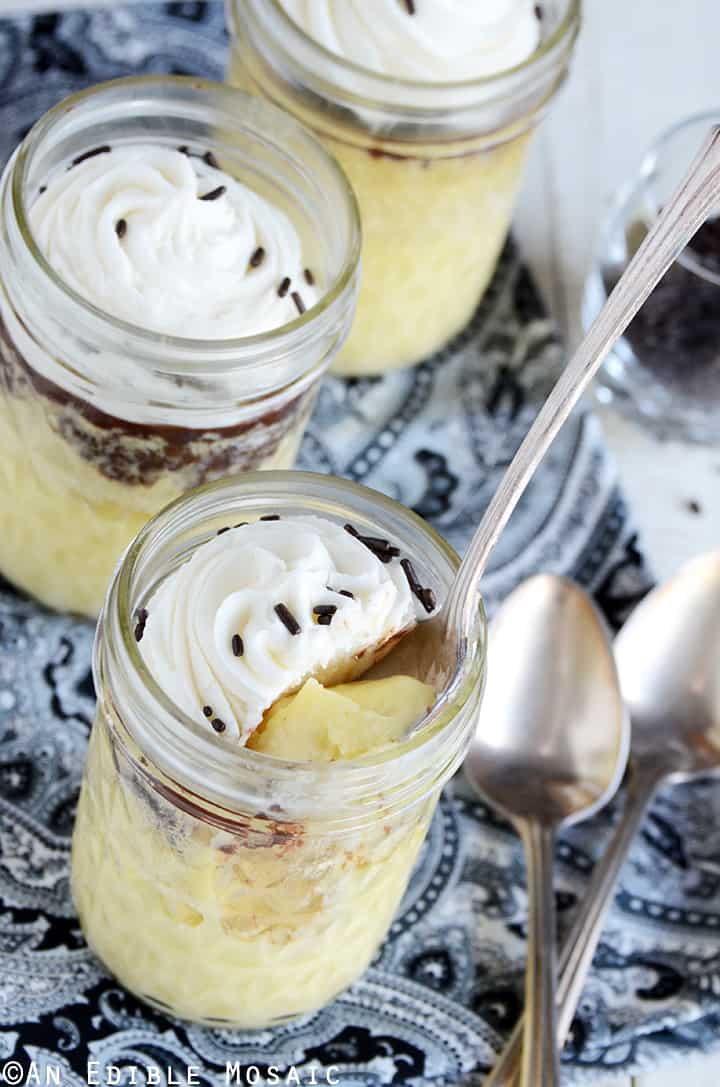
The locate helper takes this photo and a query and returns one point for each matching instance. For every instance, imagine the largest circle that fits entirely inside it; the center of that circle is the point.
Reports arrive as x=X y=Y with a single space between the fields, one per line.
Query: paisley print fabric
x=445 y=988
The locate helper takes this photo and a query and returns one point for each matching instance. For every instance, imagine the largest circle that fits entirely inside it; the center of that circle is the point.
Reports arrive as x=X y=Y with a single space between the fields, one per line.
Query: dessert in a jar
x=178 y=267
x=429 y=105
x=256 y=792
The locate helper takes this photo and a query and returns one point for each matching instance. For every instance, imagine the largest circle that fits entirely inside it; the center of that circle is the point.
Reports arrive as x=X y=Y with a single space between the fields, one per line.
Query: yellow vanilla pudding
x=246 y=930
x=429 y=108
x=248 y=824
x=168 y=304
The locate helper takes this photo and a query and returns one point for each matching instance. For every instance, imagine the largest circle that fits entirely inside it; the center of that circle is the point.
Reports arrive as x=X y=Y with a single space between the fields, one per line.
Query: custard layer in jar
x=247 y=927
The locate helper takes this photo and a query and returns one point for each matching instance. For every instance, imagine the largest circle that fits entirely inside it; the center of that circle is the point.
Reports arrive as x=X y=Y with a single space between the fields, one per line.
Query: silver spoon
x=438 y=644
x=550 y=749
x=668 y=657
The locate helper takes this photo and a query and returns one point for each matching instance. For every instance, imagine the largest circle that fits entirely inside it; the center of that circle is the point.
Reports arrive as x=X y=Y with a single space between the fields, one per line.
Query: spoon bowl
x=552 y=719
x=550 y=749
x=668 y=657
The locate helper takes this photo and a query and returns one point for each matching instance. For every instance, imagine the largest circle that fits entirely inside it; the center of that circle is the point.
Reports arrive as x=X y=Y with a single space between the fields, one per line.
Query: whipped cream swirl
x=426 y=40
x=133 y=231
x=215 y=643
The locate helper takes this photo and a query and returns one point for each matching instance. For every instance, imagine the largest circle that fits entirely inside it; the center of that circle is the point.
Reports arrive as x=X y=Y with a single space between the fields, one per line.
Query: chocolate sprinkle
x=324 y=620
x=184 y=149
x=538 y=12
x=694 y=506
x=428 y=599
x=341 y=592
x=214 y=194
x=381 y=545
x=121 y=228
x=284 y=287
x=221 y=530
x=141 y=616
x=324 y=609
x=411 y=576
x=258 y=257
x=287 y=618
x=207 y=710
x=237 y=645
x=298 y=301
x=91 y=154
x=218 y=725
x=381 y=549
x=210 y=159
x=425 y=596
x=42 y=189
x=309 y=278
x=410 y=6
x=270 y=517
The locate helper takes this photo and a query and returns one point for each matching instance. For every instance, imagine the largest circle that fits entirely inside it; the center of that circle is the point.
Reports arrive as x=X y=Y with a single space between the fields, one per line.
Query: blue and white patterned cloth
x=446 y=986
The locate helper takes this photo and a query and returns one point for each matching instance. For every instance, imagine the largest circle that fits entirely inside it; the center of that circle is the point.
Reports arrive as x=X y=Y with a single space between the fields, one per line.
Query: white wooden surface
x=641 y=65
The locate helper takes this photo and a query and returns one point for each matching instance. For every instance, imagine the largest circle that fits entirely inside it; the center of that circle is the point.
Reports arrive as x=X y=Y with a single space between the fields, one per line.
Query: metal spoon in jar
x=668 y=658
x=438 y=644
x=550 y=749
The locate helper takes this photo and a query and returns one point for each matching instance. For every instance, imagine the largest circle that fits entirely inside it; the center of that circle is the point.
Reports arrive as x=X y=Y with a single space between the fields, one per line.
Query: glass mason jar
x=102 y=423
x=225 y=885
x=435 y=166
x=664 y=371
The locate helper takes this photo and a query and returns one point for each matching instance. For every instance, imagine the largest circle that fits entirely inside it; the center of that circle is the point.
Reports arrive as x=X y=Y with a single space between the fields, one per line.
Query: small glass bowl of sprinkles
x=665 y=371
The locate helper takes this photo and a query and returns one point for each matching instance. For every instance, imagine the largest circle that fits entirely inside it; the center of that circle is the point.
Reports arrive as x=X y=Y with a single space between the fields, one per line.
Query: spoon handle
x=540 y=1061
x=579 y=949
x=681 y=217
x=581 y=942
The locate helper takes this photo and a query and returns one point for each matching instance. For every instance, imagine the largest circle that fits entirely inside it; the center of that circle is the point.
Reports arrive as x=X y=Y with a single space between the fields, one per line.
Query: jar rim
x=116 y=635
x=379 y=82
x=227 y=353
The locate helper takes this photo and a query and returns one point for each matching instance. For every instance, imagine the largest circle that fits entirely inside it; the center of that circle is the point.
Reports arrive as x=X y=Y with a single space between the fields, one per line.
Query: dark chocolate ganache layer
x=139 y=453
